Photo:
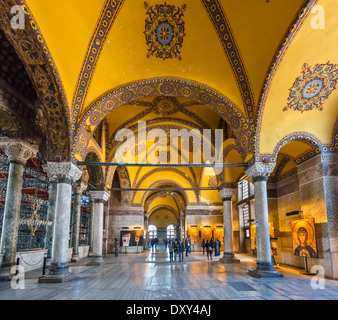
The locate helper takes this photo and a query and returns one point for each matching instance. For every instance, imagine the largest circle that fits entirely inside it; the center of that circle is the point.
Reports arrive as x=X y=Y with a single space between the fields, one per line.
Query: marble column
x=259 y=173
x=99 y=198
x=90 y=227
x=50 y=216
x=18 y=153
x=79 y=187
x=66 y=174
x=226 y=195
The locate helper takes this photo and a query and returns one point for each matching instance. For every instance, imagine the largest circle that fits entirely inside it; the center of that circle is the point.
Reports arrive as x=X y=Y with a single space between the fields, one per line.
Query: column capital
x=260 y=171
x=80 y=186
x=100 y=195
x=62 y=170
x=227 y=194
x=18 y=150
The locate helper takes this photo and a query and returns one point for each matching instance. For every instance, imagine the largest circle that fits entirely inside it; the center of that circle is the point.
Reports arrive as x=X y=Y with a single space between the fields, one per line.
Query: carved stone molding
x=80 y=186
x=259 y=170
x=100 y=195
x=18 y=150
x=227 y=194
x=63 y=170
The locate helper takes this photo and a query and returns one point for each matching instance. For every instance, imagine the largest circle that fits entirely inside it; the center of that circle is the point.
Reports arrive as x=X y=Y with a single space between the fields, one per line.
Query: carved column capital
x=18 y=150
x=227 y=194
x=80 y=186
x=260 y=171
x=63 y=170
x=100 y=195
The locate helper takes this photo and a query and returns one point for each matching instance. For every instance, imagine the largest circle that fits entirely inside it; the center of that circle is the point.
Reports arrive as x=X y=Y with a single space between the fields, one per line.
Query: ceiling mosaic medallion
x=312 y=87
x=165 y=105
x=164 y=30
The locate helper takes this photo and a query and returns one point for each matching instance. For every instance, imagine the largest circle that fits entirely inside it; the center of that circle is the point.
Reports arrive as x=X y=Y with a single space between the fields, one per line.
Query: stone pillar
x=259 y=174
x=242 y=244
x=79 y=187
x=181 y=235
x=65 y=173
x=99 y=198
x=90 y=227
x=145 y=228
x=18 y=153
x=226 y=195
x=330 y=182
x=50 y=216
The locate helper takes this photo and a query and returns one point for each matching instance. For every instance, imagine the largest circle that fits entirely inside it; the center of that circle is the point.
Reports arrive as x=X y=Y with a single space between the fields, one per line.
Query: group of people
x=209 y=246
x=177 y=247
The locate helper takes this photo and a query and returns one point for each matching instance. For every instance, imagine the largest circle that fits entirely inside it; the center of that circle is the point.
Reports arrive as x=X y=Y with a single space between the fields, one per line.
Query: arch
x=277 y=60
x=170 y=86
x=158 y=184
x=169 y=208
x=148 y=174
x=150 y=198
x=36 y=57
x=96 y=175
x=306 y=137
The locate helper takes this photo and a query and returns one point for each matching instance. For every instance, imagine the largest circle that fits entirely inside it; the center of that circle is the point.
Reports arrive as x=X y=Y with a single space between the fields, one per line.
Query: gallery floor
x=150 y=276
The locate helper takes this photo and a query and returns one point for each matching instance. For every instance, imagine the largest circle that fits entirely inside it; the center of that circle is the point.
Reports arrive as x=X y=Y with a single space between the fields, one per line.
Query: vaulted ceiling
x=261 y=71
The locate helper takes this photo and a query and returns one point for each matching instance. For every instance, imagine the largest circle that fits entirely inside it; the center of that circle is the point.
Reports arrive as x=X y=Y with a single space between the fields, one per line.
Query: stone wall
x=201 y=217
x=313 y=192
x=120 y=217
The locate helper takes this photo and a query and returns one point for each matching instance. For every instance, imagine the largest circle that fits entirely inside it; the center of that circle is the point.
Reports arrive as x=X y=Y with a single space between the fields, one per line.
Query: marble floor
x=150 y=276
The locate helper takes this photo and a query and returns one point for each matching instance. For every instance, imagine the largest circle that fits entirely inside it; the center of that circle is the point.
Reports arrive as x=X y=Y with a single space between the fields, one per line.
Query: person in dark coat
x=209 y=249
x=171 y=250
x=175 y=250
x=116 y=247
x=180 y=251
x=203 y=246
x=187 y=245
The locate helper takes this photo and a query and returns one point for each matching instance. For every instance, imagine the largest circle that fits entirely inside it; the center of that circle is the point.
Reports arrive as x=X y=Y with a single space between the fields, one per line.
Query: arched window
x=152 y=231
x=171 y=232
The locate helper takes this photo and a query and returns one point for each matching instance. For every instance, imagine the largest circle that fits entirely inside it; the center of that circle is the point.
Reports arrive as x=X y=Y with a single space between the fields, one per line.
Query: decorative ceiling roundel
x=164 y=30
x=313 y=87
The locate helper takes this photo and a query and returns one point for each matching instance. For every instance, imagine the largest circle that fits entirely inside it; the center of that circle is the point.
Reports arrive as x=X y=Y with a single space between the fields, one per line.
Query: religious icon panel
x=304 y=238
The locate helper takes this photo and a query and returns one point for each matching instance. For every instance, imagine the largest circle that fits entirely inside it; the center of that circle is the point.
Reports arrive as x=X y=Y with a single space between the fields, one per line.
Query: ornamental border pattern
x=222 y=26
x=125 y=94
x=107 y=17
x=45 y=78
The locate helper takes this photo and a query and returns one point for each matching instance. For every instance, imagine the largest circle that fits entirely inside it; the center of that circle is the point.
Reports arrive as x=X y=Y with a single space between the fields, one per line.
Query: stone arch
x=128 y=93
x=39 y=64
x=96 y=174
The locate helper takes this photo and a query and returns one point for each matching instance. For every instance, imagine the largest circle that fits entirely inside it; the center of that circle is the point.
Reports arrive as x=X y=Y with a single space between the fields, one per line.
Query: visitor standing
x=180 y=250
x=171 y=250
x=116 y=247
x=175 y=250
x=203 y=246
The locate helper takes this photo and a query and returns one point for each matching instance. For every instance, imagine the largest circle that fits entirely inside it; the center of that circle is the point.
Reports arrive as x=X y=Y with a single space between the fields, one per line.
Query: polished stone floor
x=150 y=276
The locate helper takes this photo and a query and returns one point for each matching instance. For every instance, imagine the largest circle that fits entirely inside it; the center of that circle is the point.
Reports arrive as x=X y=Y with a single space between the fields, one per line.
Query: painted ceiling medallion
x=165 y=105
x=164 y=30
x=312 y=87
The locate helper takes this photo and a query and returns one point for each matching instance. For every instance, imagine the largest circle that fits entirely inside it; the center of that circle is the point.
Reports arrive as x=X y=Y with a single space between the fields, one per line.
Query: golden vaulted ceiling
x=264 y=72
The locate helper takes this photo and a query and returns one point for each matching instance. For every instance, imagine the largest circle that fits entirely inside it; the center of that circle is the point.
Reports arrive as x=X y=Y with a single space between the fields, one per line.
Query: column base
x=57 y=274
x=5 y=272
x=265 y=270
x=229 y=258
x=75 y=258
x=95 y=261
